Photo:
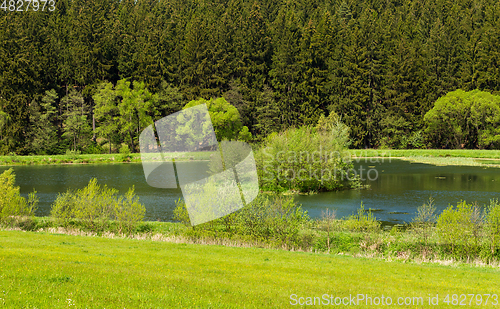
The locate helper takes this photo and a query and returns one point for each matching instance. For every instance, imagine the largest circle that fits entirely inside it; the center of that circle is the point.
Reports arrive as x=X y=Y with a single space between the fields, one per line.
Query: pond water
x=396 y=189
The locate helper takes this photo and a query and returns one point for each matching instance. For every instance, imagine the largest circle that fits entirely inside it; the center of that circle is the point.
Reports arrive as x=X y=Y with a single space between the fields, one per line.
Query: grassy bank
x=440 y=153
x=445 y=155
x=86 y=159
x=463 y=157
x=42 y=270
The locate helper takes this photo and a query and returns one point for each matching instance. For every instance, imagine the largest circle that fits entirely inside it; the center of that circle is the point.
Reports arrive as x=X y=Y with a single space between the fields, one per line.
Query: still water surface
x=398 y=190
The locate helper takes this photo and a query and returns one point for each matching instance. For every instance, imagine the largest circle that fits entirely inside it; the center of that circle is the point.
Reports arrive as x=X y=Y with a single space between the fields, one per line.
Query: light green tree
x=463 y=119
x=106 y=111
x=12 y=204
x=135 y=108
x=225 y=118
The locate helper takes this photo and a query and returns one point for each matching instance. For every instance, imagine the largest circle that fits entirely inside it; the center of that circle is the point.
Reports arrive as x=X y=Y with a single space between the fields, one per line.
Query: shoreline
x=438 y=157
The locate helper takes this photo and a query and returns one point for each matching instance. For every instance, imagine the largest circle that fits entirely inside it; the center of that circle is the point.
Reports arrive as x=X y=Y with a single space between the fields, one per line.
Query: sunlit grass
x=88 y=158
x=41 y=270
x=461 y=153
x=454 y=161
x=442 y=157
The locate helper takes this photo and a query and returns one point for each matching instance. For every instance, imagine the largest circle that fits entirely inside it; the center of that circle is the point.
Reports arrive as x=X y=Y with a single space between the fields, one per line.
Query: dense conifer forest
x=379 y=64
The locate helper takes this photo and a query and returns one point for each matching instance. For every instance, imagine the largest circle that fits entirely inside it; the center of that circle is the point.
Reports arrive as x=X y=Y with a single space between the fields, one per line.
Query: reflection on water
x=402 y=186
x=398 y=190
x=49 y=180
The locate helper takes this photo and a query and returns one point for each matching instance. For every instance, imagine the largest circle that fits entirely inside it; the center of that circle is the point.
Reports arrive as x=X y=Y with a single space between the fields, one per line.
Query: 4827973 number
x=26 y=5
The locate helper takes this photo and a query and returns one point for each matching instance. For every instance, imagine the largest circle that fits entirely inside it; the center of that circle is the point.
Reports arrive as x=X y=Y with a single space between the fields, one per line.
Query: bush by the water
x=362 y=221
x=268 y=219
x=307 y=158
x=96 y=207
x=14 y=207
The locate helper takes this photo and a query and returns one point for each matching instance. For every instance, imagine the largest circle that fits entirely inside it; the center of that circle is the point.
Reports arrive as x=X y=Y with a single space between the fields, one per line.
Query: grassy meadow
x=87 y=158
x=431 y=156
x=44 y=270
x=400 y=153
x=463 y=157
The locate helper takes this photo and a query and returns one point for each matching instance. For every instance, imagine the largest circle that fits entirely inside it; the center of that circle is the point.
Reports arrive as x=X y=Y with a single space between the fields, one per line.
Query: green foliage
x=180 y=213
x=460 y=228
x=272 y=219
x=128 y=212
x=12 y=205
x=170 y=100
x=76 y=127
x=73 y=154
x=95 y=205
x=281 y=64
x=135 y=110
x=267 y=113
x=124 y=110
x=423 y=223
x=464 y=120
x=125 y=152
x=42 y=133
x=307 y=158
x=363 y=221
x=225 y=118
x=106 y=111
x=398 y=133
x=492 y=226
x=278 y=218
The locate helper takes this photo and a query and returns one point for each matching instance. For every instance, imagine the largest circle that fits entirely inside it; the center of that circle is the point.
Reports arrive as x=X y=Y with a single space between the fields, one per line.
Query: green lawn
x=40 y=270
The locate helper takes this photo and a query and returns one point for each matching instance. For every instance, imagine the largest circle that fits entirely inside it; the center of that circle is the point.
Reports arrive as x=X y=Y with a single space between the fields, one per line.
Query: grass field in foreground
x=39 y=270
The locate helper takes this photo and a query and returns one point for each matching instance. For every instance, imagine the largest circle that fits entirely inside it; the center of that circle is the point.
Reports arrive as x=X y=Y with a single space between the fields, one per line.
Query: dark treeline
x=380 y=64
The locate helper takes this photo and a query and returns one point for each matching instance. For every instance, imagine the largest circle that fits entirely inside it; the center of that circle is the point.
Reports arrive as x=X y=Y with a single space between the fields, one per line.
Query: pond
x=396 y=189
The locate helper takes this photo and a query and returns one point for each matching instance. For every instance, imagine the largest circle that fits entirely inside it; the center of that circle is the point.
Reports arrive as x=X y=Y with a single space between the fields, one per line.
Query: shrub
x=226 y=119
x=124 y=150
x=327 y=223
x=272 y=219
x=269 y=218
x=180 y=212
x=128 y=211
x=94 y=148
x=12 y=204
x=492 y=225
x=124 y=153
x=94 y=206
x=363 y=221
x=460 y=227
x=424 y=221
x=307 y=158
x=73 y=154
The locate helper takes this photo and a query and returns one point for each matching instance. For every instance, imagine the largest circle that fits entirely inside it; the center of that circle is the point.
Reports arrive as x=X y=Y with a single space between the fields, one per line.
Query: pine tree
x=76 y=127
x=42 y=132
